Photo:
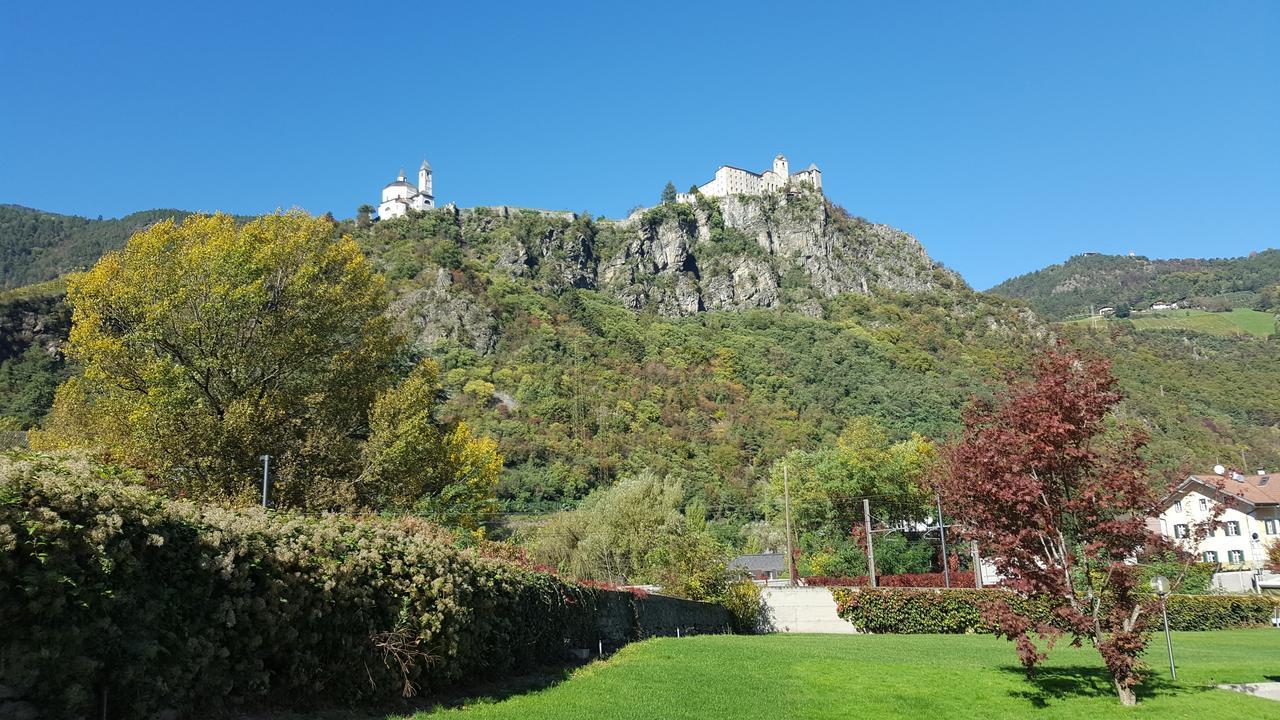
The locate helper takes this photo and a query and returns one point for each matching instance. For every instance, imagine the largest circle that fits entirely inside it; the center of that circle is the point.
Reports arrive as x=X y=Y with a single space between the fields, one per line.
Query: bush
x=960 y=611
x=1220 y=612
x=104 y=584
x=959 y=580
x=746 y=607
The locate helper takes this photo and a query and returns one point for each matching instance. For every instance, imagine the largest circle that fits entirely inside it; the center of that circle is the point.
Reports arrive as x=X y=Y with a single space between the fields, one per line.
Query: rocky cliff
x=748 y=252
x=785 y=250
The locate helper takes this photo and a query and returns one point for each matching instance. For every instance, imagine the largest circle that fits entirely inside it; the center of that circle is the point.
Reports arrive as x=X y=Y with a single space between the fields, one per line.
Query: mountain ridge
x=1090 y=281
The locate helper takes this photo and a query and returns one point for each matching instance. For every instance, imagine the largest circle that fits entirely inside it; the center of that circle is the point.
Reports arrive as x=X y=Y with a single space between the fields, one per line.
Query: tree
x=690 y=564
x=416 y=464
x=206 y=345
x=364 y=216
x=1273 y=555
x=613 y=533
x=669 y=194
x=1059 y=504
x=1122 y=311
x=827 y=487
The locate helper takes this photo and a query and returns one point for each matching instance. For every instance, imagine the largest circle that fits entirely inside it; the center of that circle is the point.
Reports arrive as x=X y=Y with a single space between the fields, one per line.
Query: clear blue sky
x=1005 y=135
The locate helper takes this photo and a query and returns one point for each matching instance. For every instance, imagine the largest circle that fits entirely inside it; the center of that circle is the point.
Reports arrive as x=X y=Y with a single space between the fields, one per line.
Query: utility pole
x=786 y=502
x=266 y=465
x=942 y=533
x=871 y=553
x=977 y=565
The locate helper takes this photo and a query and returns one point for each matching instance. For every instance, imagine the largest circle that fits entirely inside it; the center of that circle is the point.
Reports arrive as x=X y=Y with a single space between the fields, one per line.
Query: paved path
x=1268 y=690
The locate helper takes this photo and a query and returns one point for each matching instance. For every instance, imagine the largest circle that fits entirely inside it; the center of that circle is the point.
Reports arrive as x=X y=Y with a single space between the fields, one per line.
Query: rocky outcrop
x=734 y=253
x=42 y=320
x=789 y=250
x=437 y=312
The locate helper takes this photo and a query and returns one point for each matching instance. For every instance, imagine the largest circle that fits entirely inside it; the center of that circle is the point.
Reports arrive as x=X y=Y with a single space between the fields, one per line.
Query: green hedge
x=167 y=604
x=901 y=610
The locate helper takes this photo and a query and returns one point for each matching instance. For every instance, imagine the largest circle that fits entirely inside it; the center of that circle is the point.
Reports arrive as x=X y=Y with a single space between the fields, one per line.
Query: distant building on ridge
x=400 y=196
x=730 y=180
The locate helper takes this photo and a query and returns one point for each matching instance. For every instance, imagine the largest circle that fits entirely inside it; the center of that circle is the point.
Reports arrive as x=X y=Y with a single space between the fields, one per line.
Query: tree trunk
x=1127 y=695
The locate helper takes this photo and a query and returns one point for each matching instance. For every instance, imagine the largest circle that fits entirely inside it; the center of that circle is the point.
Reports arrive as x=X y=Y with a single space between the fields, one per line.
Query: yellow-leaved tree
x=207 y=344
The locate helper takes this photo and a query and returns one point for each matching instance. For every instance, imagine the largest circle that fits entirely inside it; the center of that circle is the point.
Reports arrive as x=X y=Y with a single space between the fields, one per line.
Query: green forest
x=1091 y=281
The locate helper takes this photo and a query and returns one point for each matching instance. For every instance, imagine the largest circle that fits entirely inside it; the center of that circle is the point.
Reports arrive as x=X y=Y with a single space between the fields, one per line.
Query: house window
x=1235 y=557
x=1180 y=531
x=1177 y=506
x=1269 y=526
x=1209 y=556
x=1232 y=528
x=1204 y=504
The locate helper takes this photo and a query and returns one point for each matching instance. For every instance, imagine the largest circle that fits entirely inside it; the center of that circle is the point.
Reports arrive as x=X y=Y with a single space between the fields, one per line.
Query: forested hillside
x=1094 y=281
x=36 y=246
x=703 y=343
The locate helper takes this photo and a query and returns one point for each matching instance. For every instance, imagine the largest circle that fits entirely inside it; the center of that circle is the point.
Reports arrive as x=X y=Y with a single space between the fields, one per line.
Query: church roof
x=425 y=165
x=402 y=183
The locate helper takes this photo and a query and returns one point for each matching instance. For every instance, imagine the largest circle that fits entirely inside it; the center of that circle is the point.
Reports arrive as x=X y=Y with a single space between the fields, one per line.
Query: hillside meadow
x=1237 y=321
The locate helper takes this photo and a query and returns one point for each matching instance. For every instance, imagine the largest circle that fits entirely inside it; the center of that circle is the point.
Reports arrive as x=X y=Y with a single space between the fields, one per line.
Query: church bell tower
x=424 y=182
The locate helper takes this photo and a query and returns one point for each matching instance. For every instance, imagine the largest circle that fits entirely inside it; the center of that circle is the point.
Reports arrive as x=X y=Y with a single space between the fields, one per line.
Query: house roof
x=762 y=562
x=1253 y=489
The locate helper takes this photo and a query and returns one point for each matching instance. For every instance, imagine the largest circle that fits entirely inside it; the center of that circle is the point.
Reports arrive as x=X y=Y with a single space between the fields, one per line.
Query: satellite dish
x=1219 y=469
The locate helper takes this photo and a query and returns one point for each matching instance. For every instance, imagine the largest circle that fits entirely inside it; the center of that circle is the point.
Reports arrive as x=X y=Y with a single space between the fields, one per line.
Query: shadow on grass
x=1080 y=681
x=490 y=691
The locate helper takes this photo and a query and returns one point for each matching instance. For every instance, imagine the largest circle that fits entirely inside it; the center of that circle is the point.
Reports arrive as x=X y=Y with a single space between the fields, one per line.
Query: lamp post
x=1160 y=584
x=266 y=464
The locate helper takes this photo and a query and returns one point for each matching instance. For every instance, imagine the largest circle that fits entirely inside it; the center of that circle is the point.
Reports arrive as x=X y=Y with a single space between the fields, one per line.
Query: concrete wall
x=805 y=610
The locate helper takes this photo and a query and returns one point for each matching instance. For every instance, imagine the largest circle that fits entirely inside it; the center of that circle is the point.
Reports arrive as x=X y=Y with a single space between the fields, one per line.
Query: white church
x=730 y=180
x=400 y=196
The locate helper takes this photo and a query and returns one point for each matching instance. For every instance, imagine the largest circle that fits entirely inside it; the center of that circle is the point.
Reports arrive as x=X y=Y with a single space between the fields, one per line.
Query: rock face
x=42 y=321
x=783 y=250
x=744 y=252
x=435 y=312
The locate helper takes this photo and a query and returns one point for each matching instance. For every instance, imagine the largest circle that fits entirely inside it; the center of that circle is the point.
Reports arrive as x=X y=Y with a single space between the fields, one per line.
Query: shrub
x=1220 y=612
x=746 y=606
x=959 y=580
x=104 y=584
x=960 y=610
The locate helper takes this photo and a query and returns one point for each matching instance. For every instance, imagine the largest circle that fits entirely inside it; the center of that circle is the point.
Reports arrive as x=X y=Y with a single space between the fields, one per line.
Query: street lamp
x=1160 y=584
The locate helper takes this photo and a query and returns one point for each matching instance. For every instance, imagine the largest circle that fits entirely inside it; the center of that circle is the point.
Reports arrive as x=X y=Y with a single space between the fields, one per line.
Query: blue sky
x=1005 y=135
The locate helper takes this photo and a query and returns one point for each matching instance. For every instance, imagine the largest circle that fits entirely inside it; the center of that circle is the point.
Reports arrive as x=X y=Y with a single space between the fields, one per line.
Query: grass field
x=1237 y=322
x=889 y=676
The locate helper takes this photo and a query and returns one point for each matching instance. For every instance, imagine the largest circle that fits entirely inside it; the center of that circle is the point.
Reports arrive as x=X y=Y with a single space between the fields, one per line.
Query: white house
x=730 y=180
x=1249 y=524
x=1161 y=305
x=400 y=196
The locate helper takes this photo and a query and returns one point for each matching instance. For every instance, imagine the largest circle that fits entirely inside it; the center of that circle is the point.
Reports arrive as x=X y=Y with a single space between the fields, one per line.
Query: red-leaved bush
x=1058 y=502
x=910 y=580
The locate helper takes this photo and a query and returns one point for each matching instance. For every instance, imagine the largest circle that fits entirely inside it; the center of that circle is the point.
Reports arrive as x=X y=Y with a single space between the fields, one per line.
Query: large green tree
x=208 y=344
x=827 y=487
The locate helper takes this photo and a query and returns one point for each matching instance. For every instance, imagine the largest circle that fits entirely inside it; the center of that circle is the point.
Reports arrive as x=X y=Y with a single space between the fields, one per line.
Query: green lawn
x=889 y=676
x=1237 y=322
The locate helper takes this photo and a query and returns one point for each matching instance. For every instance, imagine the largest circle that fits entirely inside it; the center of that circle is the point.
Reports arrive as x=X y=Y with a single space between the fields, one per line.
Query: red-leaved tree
x=1058 y=503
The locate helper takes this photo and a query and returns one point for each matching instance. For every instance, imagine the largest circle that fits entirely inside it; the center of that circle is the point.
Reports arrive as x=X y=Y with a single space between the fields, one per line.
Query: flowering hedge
x=915 y=580
x=104 y=585
x=909 y=611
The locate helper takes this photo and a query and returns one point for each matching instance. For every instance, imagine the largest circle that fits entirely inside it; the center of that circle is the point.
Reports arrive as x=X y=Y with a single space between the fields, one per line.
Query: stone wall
x=623 y=617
